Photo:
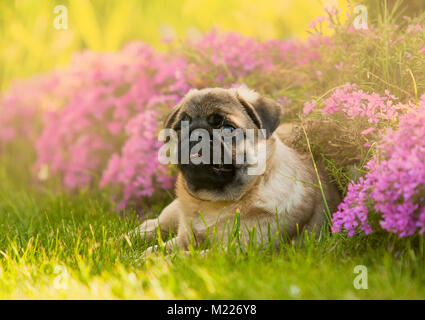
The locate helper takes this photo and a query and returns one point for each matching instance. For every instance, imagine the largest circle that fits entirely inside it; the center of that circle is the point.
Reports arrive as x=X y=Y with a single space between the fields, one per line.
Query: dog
x=284 y=197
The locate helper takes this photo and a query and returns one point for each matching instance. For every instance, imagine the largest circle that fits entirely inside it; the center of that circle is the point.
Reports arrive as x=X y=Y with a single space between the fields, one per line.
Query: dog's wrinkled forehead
x=243 y=107
x=201 y=103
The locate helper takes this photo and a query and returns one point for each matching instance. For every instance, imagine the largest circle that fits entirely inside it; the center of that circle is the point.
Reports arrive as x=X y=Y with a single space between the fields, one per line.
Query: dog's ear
x=170 y=120
x=263 y=111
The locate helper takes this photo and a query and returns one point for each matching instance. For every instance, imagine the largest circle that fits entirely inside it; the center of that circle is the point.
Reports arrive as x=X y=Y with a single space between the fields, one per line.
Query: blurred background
x=119 y=66
x=30 y=44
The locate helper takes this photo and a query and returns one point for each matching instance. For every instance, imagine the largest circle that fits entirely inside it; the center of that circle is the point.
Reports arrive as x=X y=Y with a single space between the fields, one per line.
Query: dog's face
x=225 y=111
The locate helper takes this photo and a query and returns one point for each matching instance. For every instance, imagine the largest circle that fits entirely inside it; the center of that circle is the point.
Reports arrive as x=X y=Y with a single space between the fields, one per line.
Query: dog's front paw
x=167 y=248
x=147 y=230
x=149 y=251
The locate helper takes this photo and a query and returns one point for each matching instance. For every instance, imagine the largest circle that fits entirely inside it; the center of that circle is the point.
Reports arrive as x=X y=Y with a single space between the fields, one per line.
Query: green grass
x=62 y=246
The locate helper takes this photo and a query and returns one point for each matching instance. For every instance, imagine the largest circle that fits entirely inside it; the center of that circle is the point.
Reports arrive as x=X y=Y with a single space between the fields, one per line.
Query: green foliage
x=409 y=8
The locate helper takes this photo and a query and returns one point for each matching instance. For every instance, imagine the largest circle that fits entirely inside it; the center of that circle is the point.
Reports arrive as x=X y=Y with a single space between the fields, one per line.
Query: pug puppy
x=284 y=197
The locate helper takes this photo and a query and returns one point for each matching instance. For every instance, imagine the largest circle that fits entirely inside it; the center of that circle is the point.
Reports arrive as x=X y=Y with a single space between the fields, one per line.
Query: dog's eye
x=227 y=129
x=215 y=120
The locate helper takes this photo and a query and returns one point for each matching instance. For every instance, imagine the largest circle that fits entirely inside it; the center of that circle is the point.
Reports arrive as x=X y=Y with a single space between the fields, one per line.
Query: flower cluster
x=394 y=187
x=356 y=103
x=23 y=104
x=119 y=89
x=366 y=115
x=224 y=59
x=133 y=171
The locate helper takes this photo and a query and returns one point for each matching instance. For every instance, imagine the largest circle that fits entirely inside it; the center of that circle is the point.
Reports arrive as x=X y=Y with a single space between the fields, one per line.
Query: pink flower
x=368 y=130
x=284 y=101
x=115 y=90
x=312 y=24
x=339 y=66
x=354 y=103
x=320 y=19
x=411 y=28
x=309 y=106
x=394 y=187
x=332 y=11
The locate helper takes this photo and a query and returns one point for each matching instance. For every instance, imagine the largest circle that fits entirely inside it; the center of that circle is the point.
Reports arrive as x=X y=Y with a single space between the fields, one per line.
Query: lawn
x=58 y=246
